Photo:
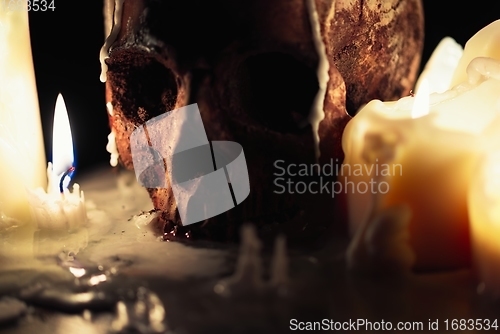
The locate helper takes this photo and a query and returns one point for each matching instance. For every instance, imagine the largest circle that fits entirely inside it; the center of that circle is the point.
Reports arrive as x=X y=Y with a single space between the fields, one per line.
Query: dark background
x=66 y=46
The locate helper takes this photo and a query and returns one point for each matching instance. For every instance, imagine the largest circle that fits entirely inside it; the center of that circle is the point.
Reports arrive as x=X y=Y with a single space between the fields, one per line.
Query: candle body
x=425 y=163
x=435 y=192
x=21 y=139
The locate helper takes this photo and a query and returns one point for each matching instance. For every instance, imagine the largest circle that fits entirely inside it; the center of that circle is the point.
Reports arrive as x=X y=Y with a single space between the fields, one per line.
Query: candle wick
x=69 y=173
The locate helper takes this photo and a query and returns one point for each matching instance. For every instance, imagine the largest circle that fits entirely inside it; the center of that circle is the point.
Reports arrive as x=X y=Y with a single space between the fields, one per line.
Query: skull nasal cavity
x=278 y=91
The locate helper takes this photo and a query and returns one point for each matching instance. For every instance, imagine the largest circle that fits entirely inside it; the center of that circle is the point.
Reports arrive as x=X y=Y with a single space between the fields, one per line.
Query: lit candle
x=21 y=139
x=484 y=211
x=398 y=155
x=58 y=208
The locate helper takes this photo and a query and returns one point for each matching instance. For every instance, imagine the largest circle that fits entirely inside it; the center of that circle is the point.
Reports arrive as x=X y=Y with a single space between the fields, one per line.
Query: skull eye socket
x=145 y=87
x=277 y=91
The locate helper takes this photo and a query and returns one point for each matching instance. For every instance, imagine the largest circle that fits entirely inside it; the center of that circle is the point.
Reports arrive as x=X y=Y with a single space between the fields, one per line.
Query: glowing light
x=77 y=272
x=94 y=280
x=421 y=103
x=439 y=70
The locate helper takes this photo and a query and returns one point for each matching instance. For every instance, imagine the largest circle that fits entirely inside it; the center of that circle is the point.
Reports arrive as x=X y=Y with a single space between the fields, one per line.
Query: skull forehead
x=193 y=29
x=195 y=33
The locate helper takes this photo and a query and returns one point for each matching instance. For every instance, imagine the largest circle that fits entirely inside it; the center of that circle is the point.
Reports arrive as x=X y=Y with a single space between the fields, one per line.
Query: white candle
x=424 y=162
x=21 y=139
x=58 y=208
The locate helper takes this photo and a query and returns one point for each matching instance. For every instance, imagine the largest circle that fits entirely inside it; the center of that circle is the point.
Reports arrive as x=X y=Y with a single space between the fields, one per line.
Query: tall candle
x=21 y=139
x=424 y=162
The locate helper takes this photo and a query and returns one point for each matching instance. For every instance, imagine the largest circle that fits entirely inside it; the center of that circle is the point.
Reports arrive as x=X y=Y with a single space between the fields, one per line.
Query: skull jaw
x=302 y=216
x=306 y=220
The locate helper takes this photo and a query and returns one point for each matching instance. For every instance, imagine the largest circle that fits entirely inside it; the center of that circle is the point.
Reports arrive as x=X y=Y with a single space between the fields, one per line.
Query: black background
x=66 y=44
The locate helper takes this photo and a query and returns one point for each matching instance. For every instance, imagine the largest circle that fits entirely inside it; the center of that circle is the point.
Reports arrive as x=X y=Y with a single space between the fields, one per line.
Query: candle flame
x=62 y=144
x=421 y=103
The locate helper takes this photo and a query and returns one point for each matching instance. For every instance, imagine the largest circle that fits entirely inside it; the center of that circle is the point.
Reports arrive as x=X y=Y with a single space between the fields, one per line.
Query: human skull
x=251 y=66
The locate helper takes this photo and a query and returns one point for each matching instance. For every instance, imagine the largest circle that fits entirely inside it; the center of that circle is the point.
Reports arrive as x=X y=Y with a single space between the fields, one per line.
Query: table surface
x=132 y=282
